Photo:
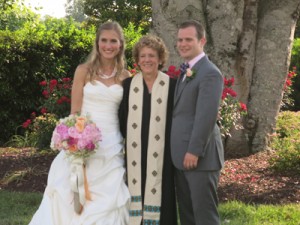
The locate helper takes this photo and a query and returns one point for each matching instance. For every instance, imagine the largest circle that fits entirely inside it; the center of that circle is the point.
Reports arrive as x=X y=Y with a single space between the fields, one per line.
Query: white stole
x=150 y=212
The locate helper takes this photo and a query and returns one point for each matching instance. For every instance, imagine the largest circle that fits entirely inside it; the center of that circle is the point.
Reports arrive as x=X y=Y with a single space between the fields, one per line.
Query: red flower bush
x=287 y=101
x=56 y=105
x=133 y=71
x=172 y=72
x=57 y=96
x=26 y=123
x=243 y=107
x=231 y=110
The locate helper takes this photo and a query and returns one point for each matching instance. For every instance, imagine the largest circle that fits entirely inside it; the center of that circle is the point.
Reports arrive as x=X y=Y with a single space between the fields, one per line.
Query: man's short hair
x=198 y=26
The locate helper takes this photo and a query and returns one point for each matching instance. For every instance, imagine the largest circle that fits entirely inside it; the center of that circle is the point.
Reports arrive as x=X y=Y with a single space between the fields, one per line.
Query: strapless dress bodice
x=101 y=102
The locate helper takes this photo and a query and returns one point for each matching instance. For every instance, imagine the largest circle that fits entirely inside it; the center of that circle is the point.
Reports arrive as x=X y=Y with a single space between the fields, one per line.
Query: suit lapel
x=179 y=88
x=181 y=85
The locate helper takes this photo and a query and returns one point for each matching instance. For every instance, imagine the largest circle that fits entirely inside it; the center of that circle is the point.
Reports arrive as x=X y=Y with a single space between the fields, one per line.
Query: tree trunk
x=248 y=39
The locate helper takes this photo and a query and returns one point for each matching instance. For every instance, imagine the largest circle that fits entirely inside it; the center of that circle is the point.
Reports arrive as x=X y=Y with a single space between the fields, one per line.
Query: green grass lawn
x=18 y=208
x=237 y=213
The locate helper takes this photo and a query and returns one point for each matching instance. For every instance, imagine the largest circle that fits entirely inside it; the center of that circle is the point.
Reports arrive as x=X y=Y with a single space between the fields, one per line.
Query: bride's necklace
x=105 y=76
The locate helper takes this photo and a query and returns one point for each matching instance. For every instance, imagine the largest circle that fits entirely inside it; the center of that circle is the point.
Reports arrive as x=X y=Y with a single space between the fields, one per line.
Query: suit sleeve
x=207 y=107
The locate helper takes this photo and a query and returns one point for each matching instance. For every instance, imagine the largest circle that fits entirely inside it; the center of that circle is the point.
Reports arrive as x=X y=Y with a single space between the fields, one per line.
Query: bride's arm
x=77 y=88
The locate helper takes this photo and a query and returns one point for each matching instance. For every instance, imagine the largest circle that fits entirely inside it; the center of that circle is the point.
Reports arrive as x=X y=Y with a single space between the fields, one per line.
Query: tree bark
x=248 y=39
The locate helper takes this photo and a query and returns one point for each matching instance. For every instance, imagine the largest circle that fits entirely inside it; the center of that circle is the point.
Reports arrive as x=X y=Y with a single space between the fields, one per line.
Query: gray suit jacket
x=194 y=128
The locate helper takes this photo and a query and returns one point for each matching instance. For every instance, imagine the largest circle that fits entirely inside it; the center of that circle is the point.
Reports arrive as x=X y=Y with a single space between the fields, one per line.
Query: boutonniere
x=190 y=74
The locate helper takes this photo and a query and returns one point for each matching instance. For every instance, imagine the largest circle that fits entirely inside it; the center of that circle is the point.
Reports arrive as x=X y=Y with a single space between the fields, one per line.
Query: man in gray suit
x=196 y=144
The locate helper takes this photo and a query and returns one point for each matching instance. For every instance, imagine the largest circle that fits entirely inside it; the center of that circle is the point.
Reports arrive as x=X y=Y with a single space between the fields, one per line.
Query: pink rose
x=72 y=141
x=62 y=130
x=82 y=143
x=91 y=132
x=73 y=132
x=90 y=146
x=56 y=140
x=189 y=72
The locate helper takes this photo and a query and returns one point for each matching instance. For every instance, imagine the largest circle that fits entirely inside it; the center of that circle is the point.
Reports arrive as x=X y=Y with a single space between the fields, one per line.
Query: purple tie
x=183 y=68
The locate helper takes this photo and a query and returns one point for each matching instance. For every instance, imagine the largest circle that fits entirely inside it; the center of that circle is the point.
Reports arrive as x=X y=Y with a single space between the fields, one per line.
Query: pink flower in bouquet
x=56 y=141
x=91 y=132
x=82 y=143
x=72 y=141
x=62 y=130
x=74 y=133
x=90 y=146
x=77 y=135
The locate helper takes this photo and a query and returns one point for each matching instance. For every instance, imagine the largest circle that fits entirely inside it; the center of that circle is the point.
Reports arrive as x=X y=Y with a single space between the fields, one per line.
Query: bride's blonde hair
x=94 y=59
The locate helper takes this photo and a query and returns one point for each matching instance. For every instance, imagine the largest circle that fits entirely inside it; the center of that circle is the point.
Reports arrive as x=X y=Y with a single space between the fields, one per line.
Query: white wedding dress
x=110 y=197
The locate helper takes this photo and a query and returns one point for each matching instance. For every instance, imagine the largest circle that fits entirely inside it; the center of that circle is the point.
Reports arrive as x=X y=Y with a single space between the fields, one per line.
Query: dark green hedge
x=44 y=50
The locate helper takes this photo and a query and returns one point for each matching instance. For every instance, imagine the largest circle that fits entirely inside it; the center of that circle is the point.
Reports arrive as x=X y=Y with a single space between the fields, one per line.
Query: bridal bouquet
x=77 y=135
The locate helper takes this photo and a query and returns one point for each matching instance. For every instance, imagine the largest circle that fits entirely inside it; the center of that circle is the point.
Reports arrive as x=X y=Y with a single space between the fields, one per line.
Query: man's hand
x=190 y=161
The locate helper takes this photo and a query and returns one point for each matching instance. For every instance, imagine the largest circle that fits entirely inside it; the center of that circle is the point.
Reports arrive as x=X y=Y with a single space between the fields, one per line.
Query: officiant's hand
x=190 y=161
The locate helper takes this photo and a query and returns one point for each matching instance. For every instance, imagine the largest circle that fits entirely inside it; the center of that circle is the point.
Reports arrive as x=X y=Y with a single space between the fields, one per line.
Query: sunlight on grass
x=237 y=213
x=18 y=209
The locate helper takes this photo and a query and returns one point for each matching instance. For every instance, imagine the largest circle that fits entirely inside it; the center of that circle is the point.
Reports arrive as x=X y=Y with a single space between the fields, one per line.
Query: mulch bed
x=248 y=179
x=251 y=180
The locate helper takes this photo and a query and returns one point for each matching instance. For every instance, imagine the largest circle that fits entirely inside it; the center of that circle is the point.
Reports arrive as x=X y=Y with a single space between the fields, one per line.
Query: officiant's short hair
x=154 y=42
x=198 y=26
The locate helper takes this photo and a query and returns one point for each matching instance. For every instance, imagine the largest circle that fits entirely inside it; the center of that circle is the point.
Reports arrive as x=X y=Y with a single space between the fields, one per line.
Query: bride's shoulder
x=82 y=68
x=124 y=75
x=81 y=72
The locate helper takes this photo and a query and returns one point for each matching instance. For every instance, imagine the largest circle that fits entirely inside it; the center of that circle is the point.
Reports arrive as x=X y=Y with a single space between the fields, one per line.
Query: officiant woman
x=145 y=120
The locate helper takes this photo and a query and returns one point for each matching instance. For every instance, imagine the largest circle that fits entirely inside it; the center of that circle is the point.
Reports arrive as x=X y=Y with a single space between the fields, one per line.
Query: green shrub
x=40 y=50
x=38 y=132
x=295 y=61
x=46 y=50
x=132 y=35
x=286 y=142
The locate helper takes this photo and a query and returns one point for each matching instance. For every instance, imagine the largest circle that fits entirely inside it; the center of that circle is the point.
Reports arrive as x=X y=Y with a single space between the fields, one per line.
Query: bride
x=96 y=90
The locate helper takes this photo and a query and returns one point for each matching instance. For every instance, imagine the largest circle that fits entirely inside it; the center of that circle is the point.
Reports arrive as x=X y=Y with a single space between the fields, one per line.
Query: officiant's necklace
x=105 y=76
